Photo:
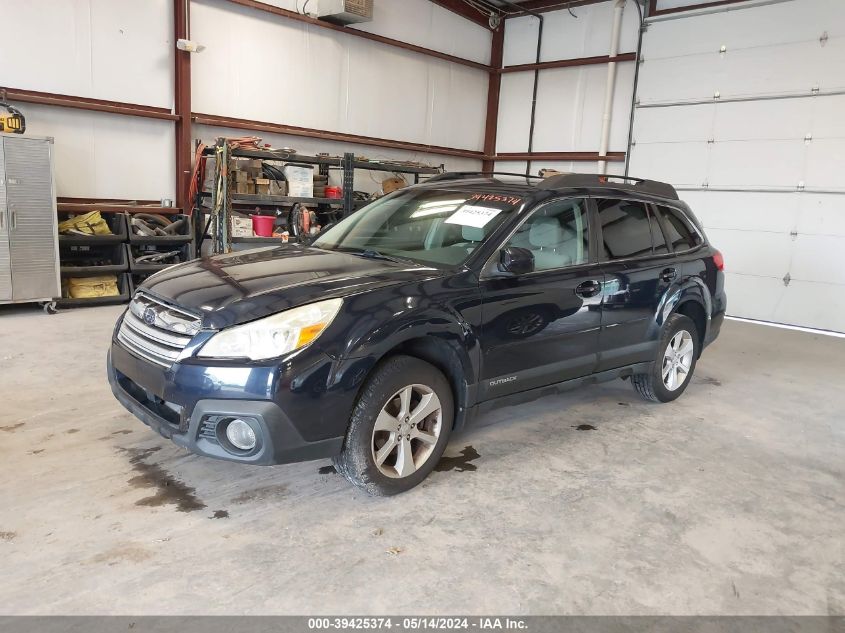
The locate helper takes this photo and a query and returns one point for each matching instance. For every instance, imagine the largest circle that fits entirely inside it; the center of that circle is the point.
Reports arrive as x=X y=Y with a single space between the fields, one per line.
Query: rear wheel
x=399 y=427
x=676 y=357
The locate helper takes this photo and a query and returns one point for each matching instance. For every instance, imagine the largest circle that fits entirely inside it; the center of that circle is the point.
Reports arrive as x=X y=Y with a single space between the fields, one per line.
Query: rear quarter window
x=679 y=230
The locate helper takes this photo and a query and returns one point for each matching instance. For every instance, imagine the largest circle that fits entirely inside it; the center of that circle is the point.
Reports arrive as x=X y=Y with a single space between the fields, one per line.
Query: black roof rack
x=639 y=185
x=457 y=175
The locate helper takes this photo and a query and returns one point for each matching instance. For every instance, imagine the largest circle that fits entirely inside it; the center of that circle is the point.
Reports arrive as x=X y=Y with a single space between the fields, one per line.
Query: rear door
x=638 y=271
x=543 y=327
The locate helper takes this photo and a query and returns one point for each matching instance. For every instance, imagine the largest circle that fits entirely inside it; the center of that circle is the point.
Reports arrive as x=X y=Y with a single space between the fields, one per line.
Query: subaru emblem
x=150 y=316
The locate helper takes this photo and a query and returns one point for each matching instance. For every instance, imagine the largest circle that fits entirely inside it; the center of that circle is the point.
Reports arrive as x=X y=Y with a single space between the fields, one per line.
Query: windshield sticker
x=470 y=215
x=492 y=197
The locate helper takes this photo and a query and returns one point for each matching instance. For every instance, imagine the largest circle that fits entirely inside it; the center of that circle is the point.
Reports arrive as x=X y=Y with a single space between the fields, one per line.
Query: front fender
x=443 y=312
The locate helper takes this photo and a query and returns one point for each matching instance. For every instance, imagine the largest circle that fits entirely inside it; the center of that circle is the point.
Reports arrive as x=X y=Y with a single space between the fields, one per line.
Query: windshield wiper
x=374 y=254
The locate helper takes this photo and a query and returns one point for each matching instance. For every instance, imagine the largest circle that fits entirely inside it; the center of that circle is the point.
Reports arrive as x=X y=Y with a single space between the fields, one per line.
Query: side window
x=625 y=228
x=681 y=236
x=556 y=234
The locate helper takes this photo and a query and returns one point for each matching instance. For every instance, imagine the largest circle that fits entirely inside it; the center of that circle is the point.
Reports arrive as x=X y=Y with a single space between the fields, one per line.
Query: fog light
x=241 y=435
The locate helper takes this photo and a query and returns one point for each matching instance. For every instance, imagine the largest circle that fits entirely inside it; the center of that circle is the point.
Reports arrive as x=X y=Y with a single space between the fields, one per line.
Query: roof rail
x=652 y=187
x=457 y=175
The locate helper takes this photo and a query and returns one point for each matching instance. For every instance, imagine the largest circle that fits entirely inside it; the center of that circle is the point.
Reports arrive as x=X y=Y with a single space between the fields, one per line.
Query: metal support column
x=348 y=184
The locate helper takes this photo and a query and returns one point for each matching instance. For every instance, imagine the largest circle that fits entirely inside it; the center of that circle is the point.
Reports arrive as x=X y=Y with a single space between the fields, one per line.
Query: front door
x=542 y=327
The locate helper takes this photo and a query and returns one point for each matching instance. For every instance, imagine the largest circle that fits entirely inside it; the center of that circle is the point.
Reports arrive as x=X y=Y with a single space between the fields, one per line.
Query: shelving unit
x=111 y=247
x=328 y=209
x=118 y=249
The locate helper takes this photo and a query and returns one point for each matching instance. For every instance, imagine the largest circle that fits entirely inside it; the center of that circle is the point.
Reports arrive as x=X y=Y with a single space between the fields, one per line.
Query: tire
x=382 y=400
x=652 y=385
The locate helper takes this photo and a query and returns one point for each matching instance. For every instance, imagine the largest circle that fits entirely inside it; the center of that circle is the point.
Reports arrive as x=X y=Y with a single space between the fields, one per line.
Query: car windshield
x=436 y=227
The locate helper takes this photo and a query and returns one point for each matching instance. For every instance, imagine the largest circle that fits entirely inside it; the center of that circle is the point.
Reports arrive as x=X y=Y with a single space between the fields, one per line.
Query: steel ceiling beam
x=543 y=6
x=85 y=103
x=464 y=10
x=299 y=17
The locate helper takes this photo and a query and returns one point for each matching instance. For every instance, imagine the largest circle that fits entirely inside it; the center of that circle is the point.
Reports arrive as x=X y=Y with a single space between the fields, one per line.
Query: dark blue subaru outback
x=407 y=319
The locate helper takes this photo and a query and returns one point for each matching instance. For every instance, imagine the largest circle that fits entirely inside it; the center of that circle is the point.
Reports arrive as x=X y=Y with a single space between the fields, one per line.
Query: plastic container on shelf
x=86 y=259
x=116 y=223
x=124 y=293
x=262 y=225
x=185 y=253
x=183 y=235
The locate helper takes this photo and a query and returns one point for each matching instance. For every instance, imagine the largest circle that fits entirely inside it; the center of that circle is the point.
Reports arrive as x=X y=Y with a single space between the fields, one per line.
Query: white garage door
x=742 y=108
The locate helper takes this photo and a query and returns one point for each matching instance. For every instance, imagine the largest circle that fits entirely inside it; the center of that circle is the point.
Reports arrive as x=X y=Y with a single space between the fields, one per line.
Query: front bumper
x=185 y=402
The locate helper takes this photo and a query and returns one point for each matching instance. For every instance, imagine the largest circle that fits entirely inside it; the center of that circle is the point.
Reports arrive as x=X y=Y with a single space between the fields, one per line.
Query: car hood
x=244 y=286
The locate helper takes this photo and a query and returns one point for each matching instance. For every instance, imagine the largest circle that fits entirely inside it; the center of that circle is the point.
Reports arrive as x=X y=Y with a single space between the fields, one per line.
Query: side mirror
x=516 y=261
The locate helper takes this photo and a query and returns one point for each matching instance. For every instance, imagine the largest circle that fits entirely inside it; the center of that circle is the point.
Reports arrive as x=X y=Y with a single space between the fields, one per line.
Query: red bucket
x=263 y=225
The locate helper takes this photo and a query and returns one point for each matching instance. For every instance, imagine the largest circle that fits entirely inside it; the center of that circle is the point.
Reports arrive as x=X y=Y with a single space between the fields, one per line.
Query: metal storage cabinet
x=29 y=250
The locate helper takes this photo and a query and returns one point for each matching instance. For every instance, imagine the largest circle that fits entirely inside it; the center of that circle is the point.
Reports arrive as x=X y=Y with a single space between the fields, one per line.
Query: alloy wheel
x=677 y=360
x=406 y=431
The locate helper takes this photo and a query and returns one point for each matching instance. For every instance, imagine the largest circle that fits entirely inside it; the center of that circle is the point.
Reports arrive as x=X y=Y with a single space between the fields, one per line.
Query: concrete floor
x=729 y=501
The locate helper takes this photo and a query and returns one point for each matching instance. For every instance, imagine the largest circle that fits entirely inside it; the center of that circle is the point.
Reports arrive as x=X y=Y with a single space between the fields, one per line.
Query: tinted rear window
x=625 y=228
x=679 y=231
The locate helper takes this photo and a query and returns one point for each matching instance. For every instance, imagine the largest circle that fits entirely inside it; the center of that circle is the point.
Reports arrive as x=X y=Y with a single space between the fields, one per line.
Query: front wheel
x=676 y=357
x=399 y=427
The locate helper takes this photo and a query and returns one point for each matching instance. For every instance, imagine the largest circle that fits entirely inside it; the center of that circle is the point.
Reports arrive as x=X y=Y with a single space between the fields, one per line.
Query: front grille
x=155 y=331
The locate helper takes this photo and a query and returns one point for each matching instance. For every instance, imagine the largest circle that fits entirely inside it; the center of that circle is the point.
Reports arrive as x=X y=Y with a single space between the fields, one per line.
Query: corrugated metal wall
x=255 y=66
x=742 y=108
x=570 y=100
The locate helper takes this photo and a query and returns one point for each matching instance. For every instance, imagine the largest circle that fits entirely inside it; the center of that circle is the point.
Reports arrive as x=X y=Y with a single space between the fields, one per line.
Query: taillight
x=719 y=260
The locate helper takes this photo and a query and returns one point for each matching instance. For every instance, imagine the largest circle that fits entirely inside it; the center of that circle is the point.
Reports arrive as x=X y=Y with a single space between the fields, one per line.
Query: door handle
x=587 y=289
x=668 y=274
x=13 y=222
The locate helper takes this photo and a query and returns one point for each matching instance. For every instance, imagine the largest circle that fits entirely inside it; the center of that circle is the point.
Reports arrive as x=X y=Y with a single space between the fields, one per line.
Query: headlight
x=274 y=335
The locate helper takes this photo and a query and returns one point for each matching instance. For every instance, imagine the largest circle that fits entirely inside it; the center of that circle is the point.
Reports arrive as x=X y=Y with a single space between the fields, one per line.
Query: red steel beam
x=182 y=102
x=653 y=10
x=494 y=88
x=85 y=103
x=462 y=9
x=299 y=17
x=279 y=128
x=565 y=63
x=563 y=156
x=68 y=207
x=543 y=6
x=110 y=201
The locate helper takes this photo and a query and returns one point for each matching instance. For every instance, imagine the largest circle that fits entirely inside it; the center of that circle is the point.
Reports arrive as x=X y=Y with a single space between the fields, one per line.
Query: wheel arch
x=452 y=361
x=693 y=309
x=692 y=299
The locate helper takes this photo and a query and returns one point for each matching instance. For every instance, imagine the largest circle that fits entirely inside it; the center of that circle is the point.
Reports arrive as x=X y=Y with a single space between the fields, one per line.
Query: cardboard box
x=241 y=187
x=241 y=227
x=300 y=180
x=255 y=169
x=240 y=176
x=262 y=186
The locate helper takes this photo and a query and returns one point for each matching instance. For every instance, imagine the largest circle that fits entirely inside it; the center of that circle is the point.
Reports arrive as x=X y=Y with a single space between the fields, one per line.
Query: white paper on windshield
x=471 y=215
